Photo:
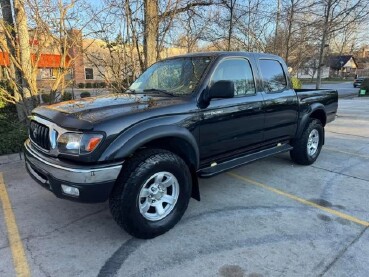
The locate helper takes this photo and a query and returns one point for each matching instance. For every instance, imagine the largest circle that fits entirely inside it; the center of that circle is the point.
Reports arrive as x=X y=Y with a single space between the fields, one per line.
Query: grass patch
x=12 y=133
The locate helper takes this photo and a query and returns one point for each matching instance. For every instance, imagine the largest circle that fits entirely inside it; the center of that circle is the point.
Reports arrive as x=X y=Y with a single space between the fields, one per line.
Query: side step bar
x=239 y=161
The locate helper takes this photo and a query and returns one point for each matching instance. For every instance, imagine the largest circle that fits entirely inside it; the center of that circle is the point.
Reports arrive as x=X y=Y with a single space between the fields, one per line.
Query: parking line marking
x=301 y=200
x=16 y=246
x=345 y=152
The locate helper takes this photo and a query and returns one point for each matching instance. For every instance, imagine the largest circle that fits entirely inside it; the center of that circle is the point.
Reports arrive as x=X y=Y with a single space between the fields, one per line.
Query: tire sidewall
x=314 y=125
x=130 y=197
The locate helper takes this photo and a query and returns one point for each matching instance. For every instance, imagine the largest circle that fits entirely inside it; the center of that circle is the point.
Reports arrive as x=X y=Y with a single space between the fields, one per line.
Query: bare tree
x=20 y=70
x=230 y=5
x=337 y=14
x=152 y=20
x=14 y=74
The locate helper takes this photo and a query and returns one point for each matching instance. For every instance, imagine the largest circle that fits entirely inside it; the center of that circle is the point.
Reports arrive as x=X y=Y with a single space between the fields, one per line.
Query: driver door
x=235 y=124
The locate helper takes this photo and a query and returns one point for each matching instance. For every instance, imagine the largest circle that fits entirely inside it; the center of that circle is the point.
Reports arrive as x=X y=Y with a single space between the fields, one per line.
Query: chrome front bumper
x=94 y=181
x=74 y=175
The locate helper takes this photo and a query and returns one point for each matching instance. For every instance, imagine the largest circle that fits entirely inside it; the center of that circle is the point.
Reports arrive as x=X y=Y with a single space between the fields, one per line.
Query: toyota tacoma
x=185 y=117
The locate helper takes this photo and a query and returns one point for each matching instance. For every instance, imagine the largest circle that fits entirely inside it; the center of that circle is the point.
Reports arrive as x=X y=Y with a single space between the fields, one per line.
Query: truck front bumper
x=92 y=182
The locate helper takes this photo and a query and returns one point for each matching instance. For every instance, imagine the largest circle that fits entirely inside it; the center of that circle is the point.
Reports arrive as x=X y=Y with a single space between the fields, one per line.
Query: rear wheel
x=152 y=193
x=307 y=148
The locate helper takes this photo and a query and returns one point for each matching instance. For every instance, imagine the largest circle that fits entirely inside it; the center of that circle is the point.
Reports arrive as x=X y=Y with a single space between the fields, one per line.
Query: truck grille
x=39 y=134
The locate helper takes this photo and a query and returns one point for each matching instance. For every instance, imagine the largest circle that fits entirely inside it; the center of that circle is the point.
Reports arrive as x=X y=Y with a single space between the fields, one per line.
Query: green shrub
x=47 y=98
x=296 y=83
x=88 y=85
x=85 y=94
x=102 y=85
x=66 y=96
x=12 y=133
x=81 y=85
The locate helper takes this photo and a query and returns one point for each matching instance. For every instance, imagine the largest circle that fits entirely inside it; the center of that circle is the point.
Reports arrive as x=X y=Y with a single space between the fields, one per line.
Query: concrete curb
x=347 y=95
x=11 y=158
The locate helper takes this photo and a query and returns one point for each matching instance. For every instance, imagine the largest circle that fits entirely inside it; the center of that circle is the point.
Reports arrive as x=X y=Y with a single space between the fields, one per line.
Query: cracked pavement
x=238 y=229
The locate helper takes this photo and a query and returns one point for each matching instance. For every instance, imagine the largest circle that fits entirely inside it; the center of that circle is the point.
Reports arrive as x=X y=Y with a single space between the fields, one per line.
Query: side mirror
x=222 y=89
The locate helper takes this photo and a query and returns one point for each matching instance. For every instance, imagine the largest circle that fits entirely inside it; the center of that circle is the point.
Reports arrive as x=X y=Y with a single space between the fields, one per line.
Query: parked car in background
x=358 y=81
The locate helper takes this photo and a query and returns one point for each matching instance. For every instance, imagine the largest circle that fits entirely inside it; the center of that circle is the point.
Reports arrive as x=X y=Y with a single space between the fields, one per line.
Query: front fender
x=129 y=141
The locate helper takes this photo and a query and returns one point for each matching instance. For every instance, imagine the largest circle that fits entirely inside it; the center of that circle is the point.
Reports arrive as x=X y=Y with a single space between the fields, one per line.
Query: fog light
x=70 y=190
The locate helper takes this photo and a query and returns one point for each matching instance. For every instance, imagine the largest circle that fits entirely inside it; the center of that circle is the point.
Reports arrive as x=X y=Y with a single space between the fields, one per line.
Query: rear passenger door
x=280 y=102
x=231 y=125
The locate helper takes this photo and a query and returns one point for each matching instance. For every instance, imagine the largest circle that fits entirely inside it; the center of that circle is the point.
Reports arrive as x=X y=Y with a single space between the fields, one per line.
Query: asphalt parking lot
x=269 y=218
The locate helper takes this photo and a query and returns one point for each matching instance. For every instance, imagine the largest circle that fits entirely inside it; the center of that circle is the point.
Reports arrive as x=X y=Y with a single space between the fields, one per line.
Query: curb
x=11 y=158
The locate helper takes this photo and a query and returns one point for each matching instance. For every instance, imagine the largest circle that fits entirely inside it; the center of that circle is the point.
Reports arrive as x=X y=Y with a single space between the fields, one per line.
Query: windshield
x=179 y=76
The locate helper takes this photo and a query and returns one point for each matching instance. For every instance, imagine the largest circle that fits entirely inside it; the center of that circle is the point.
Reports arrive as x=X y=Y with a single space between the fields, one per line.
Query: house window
x=48 y=73
x=89 y=73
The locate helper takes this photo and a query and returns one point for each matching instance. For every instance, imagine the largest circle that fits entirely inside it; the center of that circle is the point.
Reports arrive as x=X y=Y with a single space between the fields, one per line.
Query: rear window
x=273 y=75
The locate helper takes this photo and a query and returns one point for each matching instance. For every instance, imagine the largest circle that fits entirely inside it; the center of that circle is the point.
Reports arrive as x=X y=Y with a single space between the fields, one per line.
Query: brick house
x=89 y=61
x=50 y=61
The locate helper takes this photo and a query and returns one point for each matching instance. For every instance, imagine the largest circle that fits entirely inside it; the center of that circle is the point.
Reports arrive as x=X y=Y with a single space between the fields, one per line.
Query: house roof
x=337 y=62
x=45 y=60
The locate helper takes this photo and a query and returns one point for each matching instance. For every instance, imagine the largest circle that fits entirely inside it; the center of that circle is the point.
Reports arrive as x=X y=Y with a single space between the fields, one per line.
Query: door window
x=239 y=71
x=273 y=75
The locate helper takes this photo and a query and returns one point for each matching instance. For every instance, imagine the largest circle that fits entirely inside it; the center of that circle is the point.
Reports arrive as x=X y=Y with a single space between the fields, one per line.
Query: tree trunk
x=29 y=86
x=230 y=30
x=151 y=30
x=131 y=27
x=289 y=33
x=277 y=26
x=14 y=72
x=327 y=12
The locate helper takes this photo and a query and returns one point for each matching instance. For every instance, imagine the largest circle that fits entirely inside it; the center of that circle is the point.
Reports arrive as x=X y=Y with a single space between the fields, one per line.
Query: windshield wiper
x=129 y=90
x=159 y=91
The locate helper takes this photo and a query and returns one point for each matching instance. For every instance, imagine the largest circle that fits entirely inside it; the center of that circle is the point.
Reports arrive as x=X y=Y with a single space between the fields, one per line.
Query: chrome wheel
x=158 y=196
x=313 y=142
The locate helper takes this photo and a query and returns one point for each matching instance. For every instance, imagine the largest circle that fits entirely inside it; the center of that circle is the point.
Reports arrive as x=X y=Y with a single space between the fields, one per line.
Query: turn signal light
x=93 y=143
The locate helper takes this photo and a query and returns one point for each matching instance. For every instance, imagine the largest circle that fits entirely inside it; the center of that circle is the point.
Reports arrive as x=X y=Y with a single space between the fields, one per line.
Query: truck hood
x=85 y=112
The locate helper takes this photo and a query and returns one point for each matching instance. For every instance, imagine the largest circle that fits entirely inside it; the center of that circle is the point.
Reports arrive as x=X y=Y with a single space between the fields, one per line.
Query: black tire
x=299 y=154
x=124 y=199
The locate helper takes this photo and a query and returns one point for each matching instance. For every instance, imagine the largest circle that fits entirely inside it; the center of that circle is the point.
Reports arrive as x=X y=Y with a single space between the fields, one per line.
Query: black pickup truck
x=185 y=117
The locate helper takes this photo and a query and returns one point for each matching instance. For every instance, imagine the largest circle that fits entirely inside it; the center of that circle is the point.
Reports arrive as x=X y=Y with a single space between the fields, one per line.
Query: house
x=308 y=70
x=48 y=60
x=89 y=62
x=343 y=66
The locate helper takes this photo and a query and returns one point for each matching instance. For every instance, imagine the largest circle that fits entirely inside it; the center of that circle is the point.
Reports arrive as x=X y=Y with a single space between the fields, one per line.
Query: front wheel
x=307 y=148
x=152 y=193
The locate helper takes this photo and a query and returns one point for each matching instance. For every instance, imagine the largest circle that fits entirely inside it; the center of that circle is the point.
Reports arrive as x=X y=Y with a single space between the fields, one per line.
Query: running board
x=215 y=169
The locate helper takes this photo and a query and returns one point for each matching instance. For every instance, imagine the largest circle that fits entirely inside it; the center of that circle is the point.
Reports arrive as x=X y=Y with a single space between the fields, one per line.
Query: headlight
x=76 y=143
